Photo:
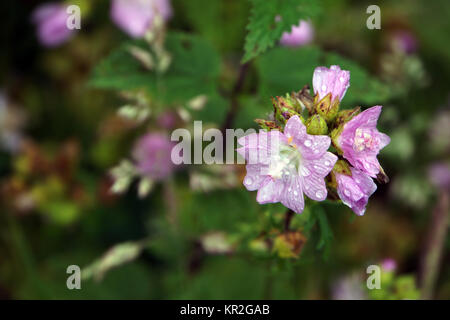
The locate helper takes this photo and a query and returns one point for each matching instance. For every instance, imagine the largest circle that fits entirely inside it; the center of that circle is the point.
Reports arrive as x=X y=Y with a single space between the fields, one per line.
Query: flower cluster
x=291 y=156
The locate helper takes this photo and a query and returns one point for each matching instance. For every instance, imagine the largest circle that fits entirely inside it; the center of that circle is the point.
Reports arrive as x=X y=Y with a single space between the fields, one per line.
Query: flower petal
x=292 y=196
x=295 y=128
x=314 y=147
x=322 y=166
x=314 y=187
x=254 y=179
x=270 y=191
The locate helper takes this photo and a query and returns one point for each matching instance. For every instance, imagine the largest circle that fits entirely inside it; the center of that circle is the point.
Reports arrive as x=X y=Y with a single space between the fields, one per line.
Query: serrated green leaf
x=269 y=19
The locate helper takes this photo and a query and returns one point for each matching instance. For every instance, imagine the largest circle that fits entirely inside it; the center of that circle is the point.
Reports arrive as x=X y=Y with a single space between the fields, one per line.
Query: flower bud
x=344 y=116
x=304 y=99
x=283 y=109
x=326 y=108
x=335 y=134
x=267 y=124
x=342 y=167
x=316 y=125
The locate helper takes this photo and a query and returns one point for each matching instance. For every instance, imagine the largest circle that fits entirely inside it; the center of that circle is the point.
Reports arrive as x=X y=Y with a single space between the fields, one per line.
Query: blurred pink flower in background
x=135 y=17
x=332 y=80
x=404 y=41
x=439 y=174
x=51 y=23
x=300 y=35
x=152 y=154
x=361 y=142
x=389 y=264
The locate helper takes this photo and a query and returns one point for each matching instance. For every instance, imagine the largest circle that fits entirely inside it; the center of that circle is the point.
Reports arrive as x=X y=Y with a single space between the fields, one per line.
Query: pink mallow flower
x=135 y=17
x=152 y=154
x=283 y=166
x=51 y=22
x=355 y=190
x=300 y=35
x=389 y=264
x=360 y=141
x=332 y=80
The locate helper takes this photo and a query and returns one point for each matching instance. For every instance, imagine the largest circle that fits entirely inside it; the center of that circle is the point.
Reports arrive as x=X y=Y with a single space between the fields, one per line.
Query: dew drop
x=248 y=181
x=307 y=143
x=346 y=192
x=324 y=87
x=327 y=163
x=319 y=194
x=295 y=193
x=341 y=79
x=304 y=171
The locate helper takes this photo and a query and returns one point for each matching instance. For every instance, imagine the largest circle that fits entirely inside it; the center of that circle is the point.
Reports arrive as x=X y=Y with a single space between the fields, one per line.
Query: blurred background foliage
x=200 y=234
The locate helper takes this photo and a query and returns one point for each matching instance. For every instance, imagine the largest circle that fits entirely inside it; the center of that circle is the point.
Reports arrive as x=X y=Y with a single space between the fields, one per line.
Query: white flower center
x=364 y=140
x=287 y=163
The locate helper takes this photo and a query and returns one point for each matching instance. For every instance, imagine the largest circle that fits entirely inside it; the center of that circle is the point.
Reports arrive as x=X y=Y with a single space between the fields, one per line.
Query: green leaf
x=194 y=70
x=269 y=19
x=284 y=70
x=116 y=256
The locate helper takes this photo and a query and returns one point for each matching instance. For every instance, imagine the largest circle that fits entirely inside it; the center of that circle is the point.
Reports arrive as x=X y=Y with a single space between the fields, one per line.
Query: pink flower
x=300 y=35
x=360 y=141
x=404 y=41
x=152 y=153
x=389 y=264
x=283 y=166
x=355 y=190
x=333 y=80
x=51 y=21
x=135 y=17
x=439 y=174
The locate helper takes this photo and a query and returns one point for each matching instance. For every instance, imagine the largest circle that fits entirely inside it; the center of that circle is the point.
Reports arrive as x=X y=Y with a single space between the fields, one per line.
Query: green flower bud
x=342 y=167
x=335 y=136
x=283 y=109
x=316 y=125
x=344 y=116
x=327 y=109
x=267 y=124
x=303 y=99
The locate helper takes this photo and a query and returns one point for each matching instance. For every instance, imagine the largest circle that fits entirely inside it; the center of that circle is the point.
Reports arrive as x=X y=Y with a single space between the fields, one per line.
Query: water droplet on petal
x=304 y=171
x=295 y=193
x=324 y=87
x=341 y=79
x=346 y=192
x=327 y=163
x=248 y=181
x=319 y=194
x=307 y=143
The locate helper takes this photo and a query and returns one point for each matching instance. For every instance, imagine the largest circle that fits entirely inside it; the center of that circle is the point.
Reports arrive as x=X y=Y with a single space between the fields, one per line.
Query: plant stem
x=429 y=269
x=288 y=219
x=234 y=106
